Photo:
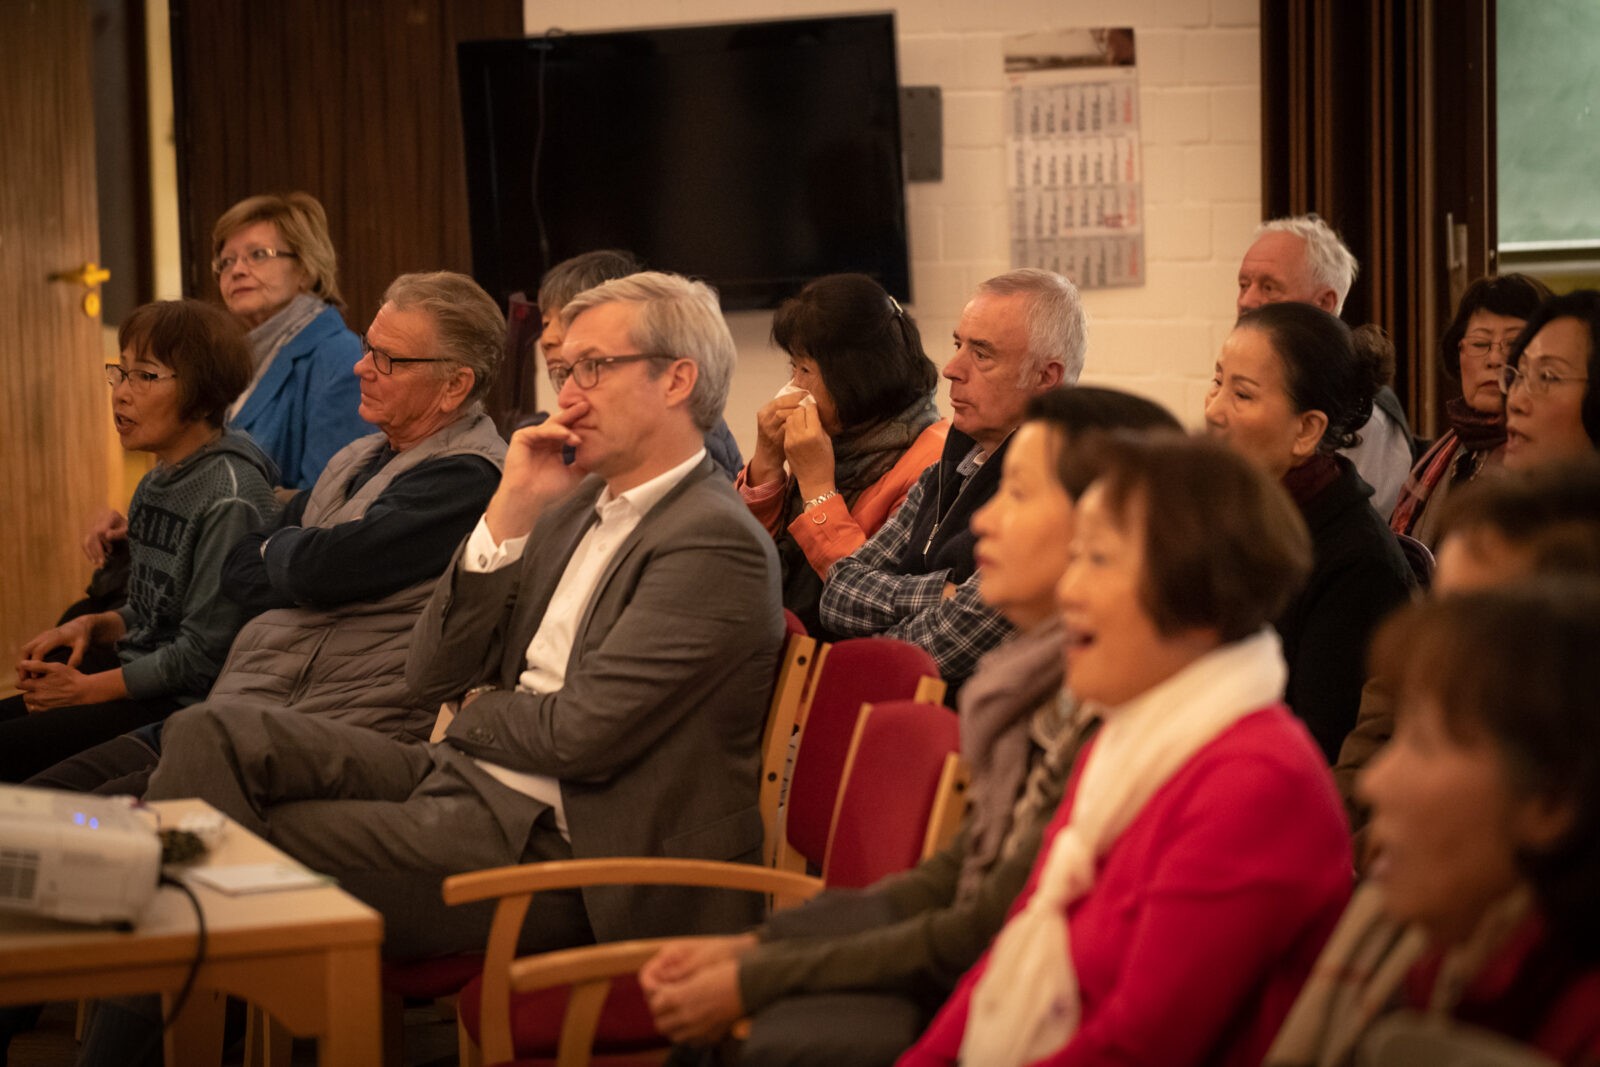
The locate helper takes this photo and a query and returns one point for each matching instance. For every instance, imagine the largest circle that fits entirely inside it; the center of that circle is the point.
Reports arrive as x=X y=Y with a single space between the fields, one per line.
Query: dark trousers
x=388 y=819
x=31 y=743
x=118 y=767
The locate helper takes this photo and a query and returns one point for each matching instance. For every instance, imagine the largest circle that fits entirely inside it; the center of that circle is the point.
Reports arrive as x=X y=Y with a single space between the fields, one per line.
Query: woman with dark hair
x=1552 y=407
x=1479 y=924
x=1291 y=386
x=1472 y=352
x=99 y=675
x=840 y=447
x=1199 y=858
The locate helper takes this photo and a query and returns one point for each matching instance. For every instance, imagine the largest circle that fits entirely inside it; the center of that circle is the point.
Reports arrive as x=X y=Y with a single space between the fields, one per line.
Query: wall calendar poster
x=1075 y=179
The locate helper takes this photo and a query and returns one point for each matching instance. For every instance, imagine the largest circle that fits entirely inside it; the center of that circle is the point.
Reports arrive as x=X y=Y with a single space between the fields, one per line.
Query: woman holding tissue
x=840 y=446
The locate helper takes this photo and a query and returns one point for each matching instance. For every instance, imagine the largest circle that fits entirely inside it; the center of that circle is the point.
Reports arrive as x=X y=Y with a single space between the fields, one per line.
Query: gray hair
x=1327 y=256
x=677 y=317
x=1058 y=331
x=467 y=323
x=572 y=276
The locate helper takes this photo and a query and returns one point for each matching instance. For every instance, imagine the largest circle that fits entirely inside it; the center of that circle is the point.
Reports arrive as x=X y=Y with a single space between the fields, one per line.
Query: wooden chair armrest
x=530 y=878
x=515 y=887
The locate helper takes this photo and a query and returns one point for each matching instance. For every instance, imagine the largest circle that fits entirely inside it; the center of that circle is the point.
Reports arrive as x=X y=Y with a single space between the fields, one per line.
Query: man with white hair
x=1300 y=259
x=1022 y=333
x=609 y=706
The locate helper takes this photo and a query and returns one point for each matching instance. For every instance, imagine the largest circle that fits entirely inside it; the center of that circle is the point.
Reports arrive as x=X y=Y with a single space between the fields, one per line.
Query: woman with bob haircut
x=278 y=274
x=1472 y=353
x=99 y=675
x=1552 y=406
x=1200 y=857
x=1291 y=386
x=1479 y=927
x=838 y=449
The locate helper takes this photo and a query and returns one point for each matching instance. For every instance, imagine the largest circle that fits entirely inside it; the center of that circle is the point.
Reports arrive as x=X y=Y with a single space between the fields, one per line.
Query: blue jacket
x=304 y=408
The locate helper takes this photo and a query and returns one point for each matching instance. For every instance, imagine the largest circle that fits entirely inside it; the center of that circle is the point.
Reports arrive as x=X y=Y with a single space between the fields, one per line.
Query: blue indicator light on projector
x=78 y=818
x=94 y=824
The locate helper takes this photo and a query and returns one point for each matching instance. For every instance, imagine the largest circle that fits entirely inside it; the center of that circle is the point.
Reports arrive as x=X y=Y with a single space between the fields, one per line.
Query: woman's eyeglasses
x=138 y=379
x=255 y=257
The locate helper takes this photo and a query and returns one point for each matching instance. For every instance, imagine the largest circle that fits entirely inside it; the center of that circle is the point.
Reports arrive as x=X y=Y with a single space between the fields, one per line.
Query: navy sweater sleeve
x=408 y=534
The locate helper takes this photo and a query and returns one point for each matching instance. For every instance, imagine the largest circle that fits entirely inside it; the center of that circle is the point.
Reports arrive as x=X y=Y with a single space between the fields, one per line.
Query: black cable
x=543 y=48
x=199 y=951
x=150 y=1053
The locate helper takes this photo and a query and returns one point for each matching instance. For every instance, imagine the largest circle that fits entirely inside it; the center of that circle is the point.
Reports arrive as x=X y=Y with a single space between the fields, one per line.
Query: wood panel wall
x=1379 y=116
x=54 y=407
x=354 y=102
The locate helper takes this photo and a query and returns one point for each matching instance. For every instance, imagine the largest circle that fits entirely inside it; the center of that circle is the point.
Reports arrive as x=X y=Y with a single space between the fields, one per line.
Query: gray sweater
x=181 y=523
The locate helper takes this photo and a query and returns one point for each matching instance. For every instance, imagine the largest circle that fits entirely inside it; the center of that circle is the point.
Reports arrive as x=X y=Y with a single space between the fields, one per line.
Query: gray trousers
x=388 y=819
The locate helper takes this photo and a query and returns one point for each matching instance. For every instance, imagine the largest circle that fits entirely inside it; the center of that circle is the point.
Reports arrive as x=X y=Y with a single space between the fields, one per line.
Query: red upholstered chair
x=849 y=673
x=900 y=799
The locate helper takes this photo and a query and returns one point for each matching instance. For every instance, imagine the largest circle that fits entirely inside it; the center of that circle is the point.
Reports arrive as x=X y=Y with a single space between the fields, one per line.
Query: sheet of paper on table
x=256 y=878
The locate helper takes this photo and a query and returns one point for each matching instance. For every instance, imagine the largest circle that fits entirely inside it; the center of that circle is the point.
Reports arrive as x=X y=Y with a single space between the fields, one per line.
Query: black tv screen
x=755 y=155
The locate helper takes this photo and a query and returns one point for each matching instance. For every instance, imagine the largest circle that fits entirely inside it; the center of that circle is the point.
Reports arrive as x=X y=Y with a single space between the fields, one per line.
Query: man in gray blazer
x=611 y=637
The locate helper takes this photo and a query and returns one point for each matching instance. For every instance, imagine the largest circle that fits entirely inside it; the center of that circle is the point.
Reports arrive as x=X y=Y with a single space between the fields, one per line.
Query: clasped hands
x=692 y=987
x=48 y=684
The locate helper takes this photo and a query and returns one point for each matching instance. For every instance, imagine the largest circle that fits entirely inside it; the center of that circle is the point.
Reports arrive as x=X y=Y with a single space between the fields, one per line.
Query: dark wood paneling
x=353 y=102
x=1378 y=115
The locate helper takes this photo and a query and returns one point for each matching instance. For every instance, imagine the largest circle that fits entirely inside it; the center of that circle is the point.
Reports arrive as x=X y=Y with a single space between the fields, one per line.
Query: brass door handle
x=91 y=276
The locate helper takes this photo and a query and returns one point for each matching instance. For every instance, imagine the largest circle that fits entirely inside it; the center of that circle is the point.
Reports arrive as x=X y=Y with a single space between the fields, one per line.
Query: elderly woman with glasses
x=1472 y=351
x=1552 y=410
x=277 y=272
x=98 y=675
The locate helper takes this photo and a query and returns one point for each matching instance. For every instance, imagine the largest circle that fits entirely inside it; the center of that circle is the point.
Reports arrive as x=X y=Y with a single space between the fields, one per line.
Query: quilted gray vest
x=348 y=663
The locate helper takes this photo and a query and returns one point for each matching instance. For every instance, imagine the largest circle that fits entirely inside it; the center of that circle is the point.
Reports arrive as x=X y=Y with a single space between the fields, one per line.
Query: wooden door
x=54 y=405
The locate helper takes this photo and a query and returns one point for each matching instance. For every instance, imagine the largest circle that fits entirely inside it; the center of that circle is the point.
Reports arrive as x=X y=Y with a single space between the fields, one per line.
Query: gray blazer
x=655 y=735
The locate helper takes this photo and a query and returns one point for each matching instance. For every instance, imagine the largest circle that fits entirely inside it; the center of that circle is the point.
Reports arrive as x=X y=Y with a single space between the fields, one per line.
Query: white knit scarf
x=1026 y=1005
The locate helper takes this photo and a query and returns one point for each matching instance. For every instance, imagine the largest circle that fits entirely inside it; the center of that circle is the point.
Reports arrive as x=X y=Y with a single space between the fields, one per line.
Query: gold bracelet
x=814 y=501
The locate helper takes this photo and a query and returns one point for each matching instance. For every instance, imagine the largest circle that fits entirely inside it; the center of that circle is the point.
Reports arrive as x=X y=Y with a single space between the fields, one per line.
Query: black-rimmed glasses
x=255 y=257
x=384 y=363
x=586 y=372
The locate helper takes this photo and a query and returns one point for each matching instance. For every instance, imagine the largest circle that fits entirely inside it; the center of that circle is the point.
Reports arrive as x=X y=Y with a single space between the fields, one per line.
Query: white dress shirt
x=551 y=647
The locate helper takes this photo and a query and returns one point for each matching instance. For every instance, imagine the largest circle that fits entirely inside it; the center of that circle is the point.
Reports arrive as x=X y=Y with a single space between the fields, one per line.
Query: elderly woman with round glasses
x=1472 y=351
x=278 y=275
x=1552 y=410
x=101 y=674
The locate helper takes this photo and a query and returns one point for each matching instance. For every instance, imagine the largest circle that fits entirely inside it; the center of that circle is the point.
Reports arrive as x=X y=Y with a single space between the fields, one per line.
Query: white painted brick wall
x=1200 y=99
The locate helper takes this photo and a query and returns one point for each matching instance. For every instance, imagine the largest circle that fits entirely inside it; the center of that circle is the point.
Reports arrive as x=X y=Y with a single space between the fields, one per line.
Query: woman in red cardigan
x=840 y=447
x=1200 y=856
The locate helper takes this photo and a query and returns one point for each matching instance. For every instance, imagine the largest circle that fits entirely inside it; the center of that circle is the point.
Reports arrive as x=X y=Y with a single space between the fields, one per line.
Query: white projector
x=75 y=856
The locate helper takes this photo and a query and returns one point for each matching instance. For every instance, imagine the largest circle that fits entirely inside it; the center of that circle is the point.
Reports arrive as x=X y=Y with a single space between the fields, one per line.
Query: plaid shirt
x=866 y=596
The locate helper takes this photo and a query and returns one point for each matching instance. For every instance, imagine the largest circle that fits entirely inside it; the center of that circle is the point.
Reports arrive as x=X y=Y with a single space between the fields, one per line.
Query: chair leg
x=267 y=1042
x=468 y=1052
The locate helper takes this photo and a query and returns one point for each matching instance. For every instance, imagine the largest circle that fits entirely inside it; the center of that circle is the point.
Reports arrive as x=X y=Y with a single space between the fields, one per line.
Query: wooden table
x=308 y=956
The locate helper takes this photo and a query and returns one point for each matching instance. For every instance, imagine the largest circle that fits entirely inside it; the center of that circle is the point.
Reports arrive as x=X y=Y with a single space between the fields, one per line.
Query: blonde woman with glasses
x=278 y=275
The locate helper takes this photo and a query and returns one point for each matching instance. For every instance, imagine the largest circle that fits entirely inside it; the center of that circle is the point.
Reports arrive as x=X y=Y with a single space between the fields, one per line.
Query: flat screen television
x=755 y=156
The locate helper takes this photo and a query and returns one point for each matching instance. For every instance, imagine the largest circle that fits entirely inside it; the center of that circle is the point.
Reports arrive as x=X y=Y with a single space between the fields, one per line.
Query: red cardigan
x=1207 y=913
